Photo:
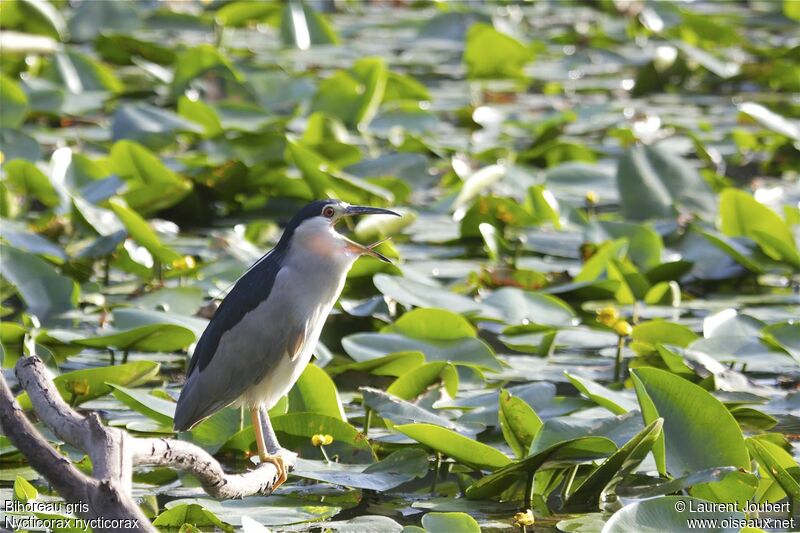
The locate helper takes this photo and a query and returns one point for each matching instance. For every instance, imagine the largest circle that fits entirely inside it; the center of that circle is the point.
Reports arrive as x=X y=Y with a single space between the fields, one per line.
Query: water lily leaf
x=417 y=380
x=465 y=351
x=178 y=515
x=151 y=185
x=23 y=490
x=689 y=413
x=615 y=401
x=654 y=183
x=294 y=431
x=193 y=62
x=25 y=178
x=775 y=462
x=91 y=17
x=397 y=468
x=141 y=232
x=302 y=26
x=564 y=453
x=525 y=307
x=432 y=324
x=395 y=364
x=491 y=54
x=395 y=410
x=771 y=120
x=785 y=335
x=146 y=338
x=451 y=522
x=661 y=514
x=87 y=384
x=464 y=450
x=315 y=392
x=587 y=496
x=519 y=423
x=159 y=409
x=743 y=215
x=274 y=510
x=149 y=125
x=45 y=291
x=13 y=102
x=412 y=293
x=648 y=334
x=637 y=487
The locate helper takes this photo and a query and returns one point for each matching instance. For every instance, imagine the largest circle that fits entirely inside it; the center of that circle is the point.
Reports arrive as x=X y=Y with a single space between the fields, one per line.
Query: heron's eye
x=328 y=212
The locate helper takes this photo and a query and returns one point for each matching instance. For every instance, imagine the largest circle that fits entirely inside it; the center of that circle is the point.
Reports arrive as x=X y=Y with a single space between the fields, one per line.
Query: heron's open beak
x=353 y=246
x=367 y=250
x=353 y=210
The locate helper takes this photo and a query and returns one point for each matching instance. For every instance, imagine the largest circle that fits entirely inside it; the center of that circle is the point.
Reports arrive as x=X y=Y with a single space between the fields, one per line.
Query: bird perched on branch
x=263 y=334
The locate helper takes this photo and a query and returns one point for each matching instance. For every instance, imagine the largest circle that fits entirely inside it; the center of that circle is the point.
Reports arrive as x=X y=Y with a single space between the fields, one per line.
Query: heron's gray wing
x=250 y=332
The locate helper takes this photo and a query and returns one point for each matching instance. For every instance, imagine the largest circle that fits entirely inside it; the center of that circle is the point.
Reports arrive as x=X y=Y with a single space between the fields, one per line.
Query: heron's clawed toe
x=280 y=465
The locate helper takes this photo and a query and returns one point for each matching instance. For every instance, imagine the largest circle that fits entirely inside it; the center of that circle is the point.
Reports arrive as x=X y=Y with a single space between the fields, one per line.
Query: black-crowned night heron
x=263 y=334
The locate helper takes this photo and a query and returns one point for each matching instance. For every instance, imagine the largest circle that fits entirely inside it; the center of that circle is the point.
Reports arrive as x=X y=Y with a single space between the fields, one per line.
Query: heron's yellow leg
x=265 y=457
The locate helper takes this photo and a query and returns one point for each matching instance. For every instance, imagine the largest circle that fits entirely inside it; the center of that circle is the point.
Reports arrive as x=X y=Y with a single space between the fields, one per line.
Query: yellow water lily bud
x=592 y=198
x=524 y=519
x=623 y=329
x=321 y=440
x=186 y=262
x=78 y=388
x=608 y=316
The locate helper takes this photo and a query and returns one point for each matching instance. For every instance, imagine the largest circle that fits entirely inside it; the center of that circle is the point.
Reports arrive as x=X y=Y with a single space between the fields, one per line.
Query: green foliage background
x=593 y=306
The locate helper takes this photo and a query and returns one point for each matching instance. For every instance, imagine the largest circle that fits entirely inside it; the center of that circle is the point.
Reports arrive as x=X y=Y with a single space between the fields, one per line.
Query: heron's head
x=314 y=226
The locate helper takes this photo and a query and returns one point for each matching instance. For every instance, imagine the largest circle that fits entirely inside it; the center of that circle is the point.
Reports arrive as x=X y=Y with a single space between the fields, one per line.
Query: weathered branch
x=190 y=458
x=113 y=452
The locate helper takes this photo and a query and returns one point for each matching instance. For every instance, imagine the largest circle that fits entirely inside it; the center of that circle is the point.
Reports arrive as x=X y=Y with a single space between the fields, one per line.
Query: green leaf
x=690 y=414
x=194 y=62
x=295 y=430
x=152 y=126
x=193 y=514
x=432 y=324
x=791 y=9
x=397 y=468
x=90 y=383
x=519 y=307
x=315 y=392
x=413 y=383
x=24 y=491
x=614 y=401
x=450 y=522
x=395 y=364
x=771 y=120
x=624 y=461
x=25 y=178
x=353 y=96
x=561 y=454
x=465 y=351
x=395 y=410
x=655 y=332
x=159 y=409
x=743 y=215
x=661 y=514
x=491 y=54
x=151 y=185
x=141 y=232
x=410 y=293
x=774 y=462
x=654 y=183
x=90 y=18
x=519 y=423
x=302 y=26
x=13 y=103
x=462 y=449
x=45 y=291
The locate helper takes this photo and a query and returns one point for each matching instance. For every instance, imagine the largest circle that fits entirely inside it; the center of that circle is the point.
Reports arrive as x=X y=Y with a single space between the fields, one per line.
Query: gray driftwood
x=114 y=453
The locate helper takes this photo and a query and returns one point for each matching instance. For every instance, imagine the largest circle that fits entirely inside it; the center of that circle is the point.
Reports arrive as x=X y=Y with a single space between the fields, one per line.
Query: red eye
x=328 y=212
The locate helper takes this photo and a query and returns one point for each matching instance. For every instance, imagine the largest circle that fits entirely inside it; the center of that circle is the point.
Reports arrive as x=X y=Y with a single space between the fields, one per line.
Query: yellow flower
x=592 y=198
x=608 y=316
x=524 y=519
x=623 y=329
x=186 y=262
x=321 y=440
x=78 y=388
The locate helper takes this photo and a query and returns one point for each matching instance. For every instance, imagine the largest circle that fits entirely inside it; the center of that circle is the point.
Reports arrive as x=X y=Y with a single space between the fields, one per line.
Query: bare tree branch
x=114 y=453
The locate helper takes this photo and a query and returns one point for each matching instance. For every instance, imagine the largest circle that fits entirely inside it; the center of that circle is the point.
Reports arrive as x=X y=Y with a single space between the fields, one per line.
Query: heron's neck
x=315 y=240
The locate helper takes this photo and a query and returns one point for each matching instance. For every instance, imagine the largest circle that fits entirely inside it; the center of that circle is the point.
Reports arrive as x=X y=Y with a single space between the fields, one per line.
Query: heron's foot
x=280 y=466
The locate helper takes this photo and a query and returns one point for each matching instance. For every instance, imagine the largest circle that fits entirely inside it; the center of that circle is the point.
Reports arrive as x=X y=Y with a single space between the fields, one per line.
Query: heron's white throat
x=317 y=237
